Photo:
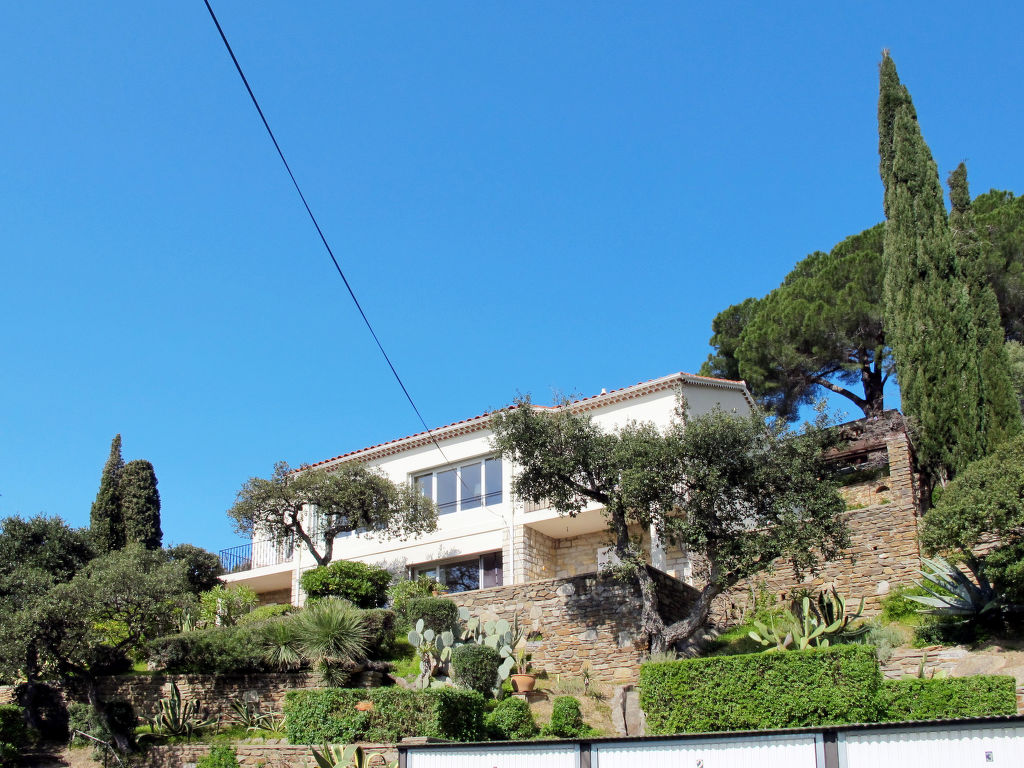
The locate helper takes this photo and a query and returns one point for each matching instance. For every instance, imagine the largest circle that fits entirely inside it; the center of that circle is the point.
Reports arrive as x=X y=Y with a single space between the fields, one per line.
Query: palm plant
x=280 y=643
x=330 y=633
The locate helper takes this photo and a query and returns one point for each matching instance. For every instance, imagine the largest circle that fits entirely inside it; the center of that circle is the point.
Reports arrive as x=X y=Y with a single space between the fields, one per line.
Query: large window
x=466 y=486
x=478 y=572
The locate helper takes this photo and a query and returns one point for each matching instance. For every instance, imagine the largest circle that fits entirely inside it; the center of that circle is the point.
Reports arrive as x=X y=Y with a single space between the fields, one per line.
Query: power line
x=319 y=231
x=323 y=239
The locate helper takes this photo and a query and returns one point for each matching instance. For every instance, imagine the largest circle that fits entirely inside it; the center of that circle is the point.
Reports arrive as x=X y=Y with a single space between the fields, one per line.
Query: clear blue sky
x=525 y=196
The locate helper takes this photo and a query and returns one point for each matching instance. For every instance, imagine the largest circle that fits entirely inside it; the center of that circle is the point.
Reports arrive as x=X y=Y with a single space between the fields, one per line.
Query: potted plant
x=522 y=680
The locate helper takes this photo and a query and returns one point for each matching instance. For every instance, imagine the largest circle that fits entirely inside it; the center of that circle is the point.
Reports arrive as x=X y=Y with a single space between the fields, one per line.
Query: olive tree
x=731 y=490
x=315 y=505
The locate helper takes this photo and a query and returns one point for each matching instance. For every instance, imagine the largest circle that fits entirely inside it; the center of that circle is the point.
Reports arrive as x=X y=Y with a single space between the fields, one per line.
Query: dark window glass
x=490 y=569
x=425 y=485
x=493 y=477
x=446 y=485
x=472 y=488
x=462 y=576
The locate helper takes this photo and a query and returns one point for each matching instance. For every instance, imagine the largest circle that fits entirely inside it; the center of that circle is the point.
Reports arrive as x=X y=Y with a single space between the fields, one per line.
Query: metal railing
x=256 y=554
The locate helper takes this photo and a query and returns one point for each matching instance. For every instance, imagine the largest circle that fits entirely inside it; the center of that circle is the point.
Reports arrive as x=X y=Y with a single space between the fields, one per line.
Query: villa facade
x=485 y=538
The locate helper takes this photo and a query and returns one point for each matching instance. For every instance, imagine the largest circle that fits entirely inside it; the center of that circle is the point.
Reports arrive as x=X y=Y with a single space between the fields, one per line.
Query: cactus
x=435 y=651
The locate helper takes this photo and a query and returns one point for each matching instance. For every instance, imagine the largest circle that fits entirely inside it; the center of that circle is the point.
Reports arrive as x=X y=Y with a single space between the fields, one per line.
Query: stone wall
x=277 y=597
x=214 y=692
x=533 y=555
x=585 y=620
x=259 y=755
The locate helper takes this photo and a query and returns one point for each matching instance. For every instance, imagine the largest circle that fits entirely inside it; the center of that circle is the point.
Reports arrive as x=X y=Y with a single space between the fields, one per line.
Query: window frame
x=487 y=497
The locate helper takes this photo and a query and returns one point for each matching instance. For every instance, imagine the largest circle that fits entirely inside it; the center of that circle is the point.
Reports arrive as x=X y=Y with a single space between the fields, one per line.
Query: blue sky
x=526 y=197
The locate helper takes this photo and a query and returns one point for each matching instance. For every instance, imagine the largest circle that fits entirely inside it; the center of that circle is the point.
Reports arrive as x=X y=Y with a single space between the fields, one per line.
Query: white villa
x=485 y=537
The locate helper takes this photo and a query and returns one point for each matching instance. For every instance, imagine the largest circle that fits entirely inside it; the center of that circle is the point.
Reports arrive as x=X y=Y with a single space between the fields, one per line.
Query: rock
x=882 y=588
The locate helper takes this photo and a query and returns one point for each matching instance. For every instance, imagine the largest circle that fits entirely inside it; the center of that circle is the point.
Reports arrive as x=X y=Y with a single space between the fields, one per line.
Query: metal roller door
x=797 y=751
x=496 y=756
x=955 y=746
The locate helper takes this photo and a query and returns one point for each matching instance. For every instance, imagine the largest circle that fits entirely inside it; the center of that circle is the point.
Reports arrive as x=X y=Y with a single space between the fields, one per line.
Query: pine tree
x=105 y=518
x=927 y=306
x=140 y=504
x=1000 y=417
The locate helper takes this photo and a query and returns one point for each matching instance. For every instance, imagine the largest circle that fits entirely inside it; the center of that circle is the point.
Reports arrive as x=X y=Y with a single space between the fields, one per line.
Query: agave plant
x=175 y=717
x=249 y=715
x=811 y=624
x=963 y=596
x=350 y=756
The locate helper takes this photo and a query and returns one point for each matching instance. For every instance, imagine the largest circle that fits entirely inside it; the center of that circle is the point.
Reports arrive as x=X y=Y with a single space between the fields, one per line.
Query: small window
x=447 y=487
x=425 y=485
x=472 y=486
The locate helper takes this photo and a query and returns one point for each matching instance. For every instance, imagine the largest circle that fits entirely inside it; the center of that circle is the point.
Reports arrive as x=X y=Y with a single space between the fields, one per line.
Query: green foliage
x=380 y=625
x=84 y=717
x=344 y=498
x=105 y=521
x=732 y=490
x=331 y=634
x=364 y=585
x=476 y=667
x=264 y=612
x=223 y=606
x=140 y=504
x=897 y=605
x=220 y=756
x=329 y=715
x=438 y=613
x=566 y=720
x=511 y=720
x=218 y=650
x=1000 y=218
x=179 y=717
x=13 y=733
x=761 y=691
x=809 y=624
x=955 y=593
x=947 y=698
x=402 y=592
x=202 y=567
x=1015 y=366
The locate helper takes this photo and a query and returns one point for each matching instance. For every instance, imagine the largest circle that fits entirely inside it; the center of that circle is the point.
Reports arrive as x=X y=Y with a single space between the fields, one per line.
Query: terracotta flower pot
x=523 y=683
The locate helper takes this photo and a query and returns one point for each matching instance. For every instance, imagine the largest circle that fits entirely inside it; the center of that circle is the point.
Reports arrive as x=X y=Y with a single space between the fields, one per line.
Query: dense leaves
x=202 y=567
x=140 y=504
x=105 y=517
x=315 y=505
x=362 y=584
x=947 y=698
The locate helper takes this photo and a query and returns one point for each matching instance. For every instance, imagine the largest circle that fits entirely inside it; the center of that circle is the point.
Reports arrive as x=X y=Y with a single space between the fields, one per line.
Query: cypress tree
x=927 y=307
x=1000 y=417
x=105 y=517
x=140 y=504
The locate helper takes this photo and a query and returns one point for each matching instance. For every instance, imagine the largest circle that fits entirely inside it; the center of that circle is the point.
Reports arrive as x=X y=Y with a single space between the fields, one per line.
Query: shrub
x=380 y=626
x=401 y=592
x=83 y=717
x=224 y=606
x=567 y=720
x=438 y=613
x=896 y=606
x=263 y=613
x=476 y=667
x=329 y=715
x=511 y=720
x=13 y=733
x=761 y=690
x=946 y=698
x=220 y=756
x=365 y=586
x=218 y=650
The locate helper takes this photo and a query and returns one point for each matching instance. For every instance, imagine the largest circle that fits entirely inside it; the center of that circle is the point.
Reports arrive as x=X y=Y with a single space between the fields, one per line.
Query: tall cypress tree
x=105 y=517
x=927 y=306
x=1000 y=416
x=140 y=504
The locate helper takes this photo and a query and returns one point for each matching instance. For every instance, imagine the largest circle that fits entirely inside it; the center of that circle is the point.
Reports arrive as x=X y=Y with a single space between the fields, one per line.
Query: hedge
x=363 y=585
x=13 y=733
x=218 y=650
x=438 y=613
x=476 y=667
x=761 y=690
x=380 y=624
x=947 y=698
x=329 y=715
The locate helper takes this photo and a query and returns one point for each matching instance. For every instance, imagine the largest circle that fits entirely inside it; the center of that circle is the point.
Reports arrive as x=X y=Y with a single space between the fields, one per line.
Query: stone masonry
x=583 y=621
x=259 y=755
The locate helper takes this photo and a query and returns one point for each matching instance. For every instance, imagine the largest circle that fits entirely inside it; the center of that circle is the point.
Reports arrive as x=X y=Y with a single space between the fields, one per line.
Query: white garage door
x=497 y=756
x=950 y=747
x=800 y=751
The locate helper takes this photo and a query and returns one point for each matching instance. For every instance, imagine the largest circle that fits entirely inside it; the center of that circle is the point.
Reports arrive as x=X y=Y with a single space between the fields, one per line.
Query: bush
x=363 y=585
x=82 y=717
x=224 y=606
x=897 y=607
x=401 y=592
x=218 y=650
x=13 y=733
x=567 y=720
x=947 y=698
x=511 y=720
x=476 y=667
x=380 y=626
x=263 y=613
x=761 y=690
x=220 y=756
x=328 y=715
x=438 y=613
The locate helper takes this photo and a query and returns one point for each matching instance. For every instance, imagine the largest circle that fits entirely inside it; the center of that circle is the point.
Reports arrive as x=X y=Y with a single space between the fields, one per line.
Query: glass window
x=472 y=486
x=425 y=485
x=493 y=473
x=490 y=569
x=447 y=485
x=462 y=576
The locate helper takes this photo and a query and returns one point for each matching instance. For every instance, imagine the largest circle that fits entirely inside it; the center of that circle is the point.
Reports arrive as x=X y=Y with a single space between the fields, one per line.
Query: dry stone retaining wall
x=258 y=755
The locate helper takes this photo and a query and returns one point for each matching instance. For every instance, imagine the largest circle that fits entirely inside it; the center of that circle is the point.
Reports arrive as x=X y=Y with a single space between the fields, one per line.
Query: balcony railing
x=257 y=554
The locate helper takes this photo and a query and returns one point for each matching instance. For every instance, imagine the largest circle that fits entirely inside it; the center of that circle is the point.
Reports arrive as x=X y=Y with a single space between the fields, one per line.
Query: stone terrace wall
x=584 y=620
x=258 y=755
x=214 y=692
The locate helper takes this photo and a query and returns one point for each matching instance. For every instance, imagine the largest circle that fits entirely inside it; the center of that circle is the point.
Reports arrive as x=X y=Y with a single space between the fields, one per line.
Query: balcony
x=256 y=554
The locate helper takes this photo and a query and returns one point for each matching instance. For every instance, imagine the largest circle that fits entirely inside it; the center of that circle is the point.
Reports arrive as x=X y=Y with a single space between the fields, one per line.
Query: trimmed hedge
x=363 y=585
x=329 y=715
x=476 y=667
x=761 y=690
x=946 y=698
x=13 y=733
x=438 y=613
x=218 y=650
x=511 y=720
